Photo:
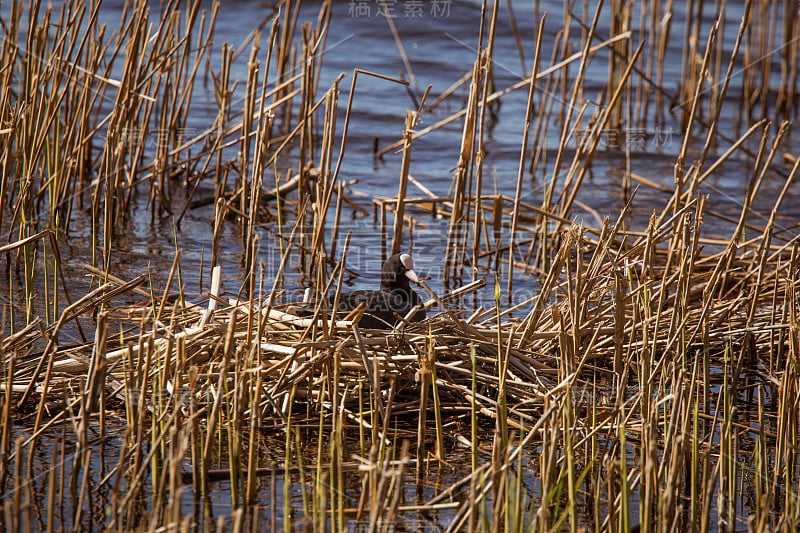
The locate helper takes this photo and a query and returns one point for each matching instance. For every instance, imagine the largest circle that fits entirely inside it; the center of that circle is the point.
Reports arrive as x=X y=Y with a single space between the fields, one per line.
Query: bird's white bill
x=410 y=274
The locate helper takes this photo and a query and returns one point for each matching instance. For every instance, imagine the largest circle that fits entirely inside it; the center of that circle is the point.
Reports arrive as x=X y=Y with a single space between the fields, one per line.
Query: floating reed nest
x=605 y=312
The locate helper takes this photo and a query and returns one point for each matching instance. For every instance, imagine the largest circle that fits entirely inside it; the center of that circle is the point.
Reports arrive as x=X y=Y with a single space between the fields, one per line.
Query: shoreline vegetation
x=651 y=381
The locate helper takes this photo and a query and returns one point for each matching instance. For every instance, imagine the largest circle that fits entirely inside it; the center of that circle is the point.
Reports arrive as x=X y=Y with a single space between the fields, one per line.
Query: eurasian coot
x=395 y=296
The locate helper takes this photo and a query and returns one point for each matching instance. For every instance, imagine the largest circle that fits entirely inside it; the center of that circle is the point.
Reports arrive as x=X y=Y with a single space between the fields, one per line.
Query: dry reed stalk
x=476 y=172
x=545 y=110
x=462 y=169
x=401 y=49
x=397 y=232
x=444 y=95
x=523 y=152
x=579 y=167
x=621 y=13
x=689 y=71
x=723 y=91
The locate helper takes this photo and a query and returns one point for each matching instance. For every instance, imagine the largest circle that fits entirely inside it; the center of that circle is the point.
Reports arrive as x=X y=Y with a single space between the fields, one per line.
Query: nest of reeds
x=612 y=310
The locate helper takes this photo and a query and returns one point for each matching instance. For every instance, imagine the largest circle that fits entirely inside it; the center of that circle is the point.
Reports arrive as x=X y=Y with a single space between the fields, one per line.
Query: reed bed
x=651 y=381
x=626 y=343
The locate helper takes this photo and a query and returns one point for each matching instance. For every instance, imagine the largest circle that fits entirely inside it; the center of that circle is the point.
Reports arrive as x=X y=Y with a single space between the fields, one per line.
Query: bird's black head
x=397 y=271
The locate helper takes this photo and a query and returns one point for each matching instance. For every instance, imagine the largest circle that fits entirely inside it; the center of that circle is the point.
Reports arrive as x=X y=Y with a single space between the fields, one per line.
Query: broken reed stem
x=397 y=233
x=462 y=168
x=521 y=170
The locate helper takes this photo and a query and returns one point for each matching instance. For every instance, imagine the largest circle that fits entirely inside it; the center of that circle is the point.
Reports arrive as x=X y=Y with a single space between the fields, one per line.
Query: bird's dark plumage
x=394 y=298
